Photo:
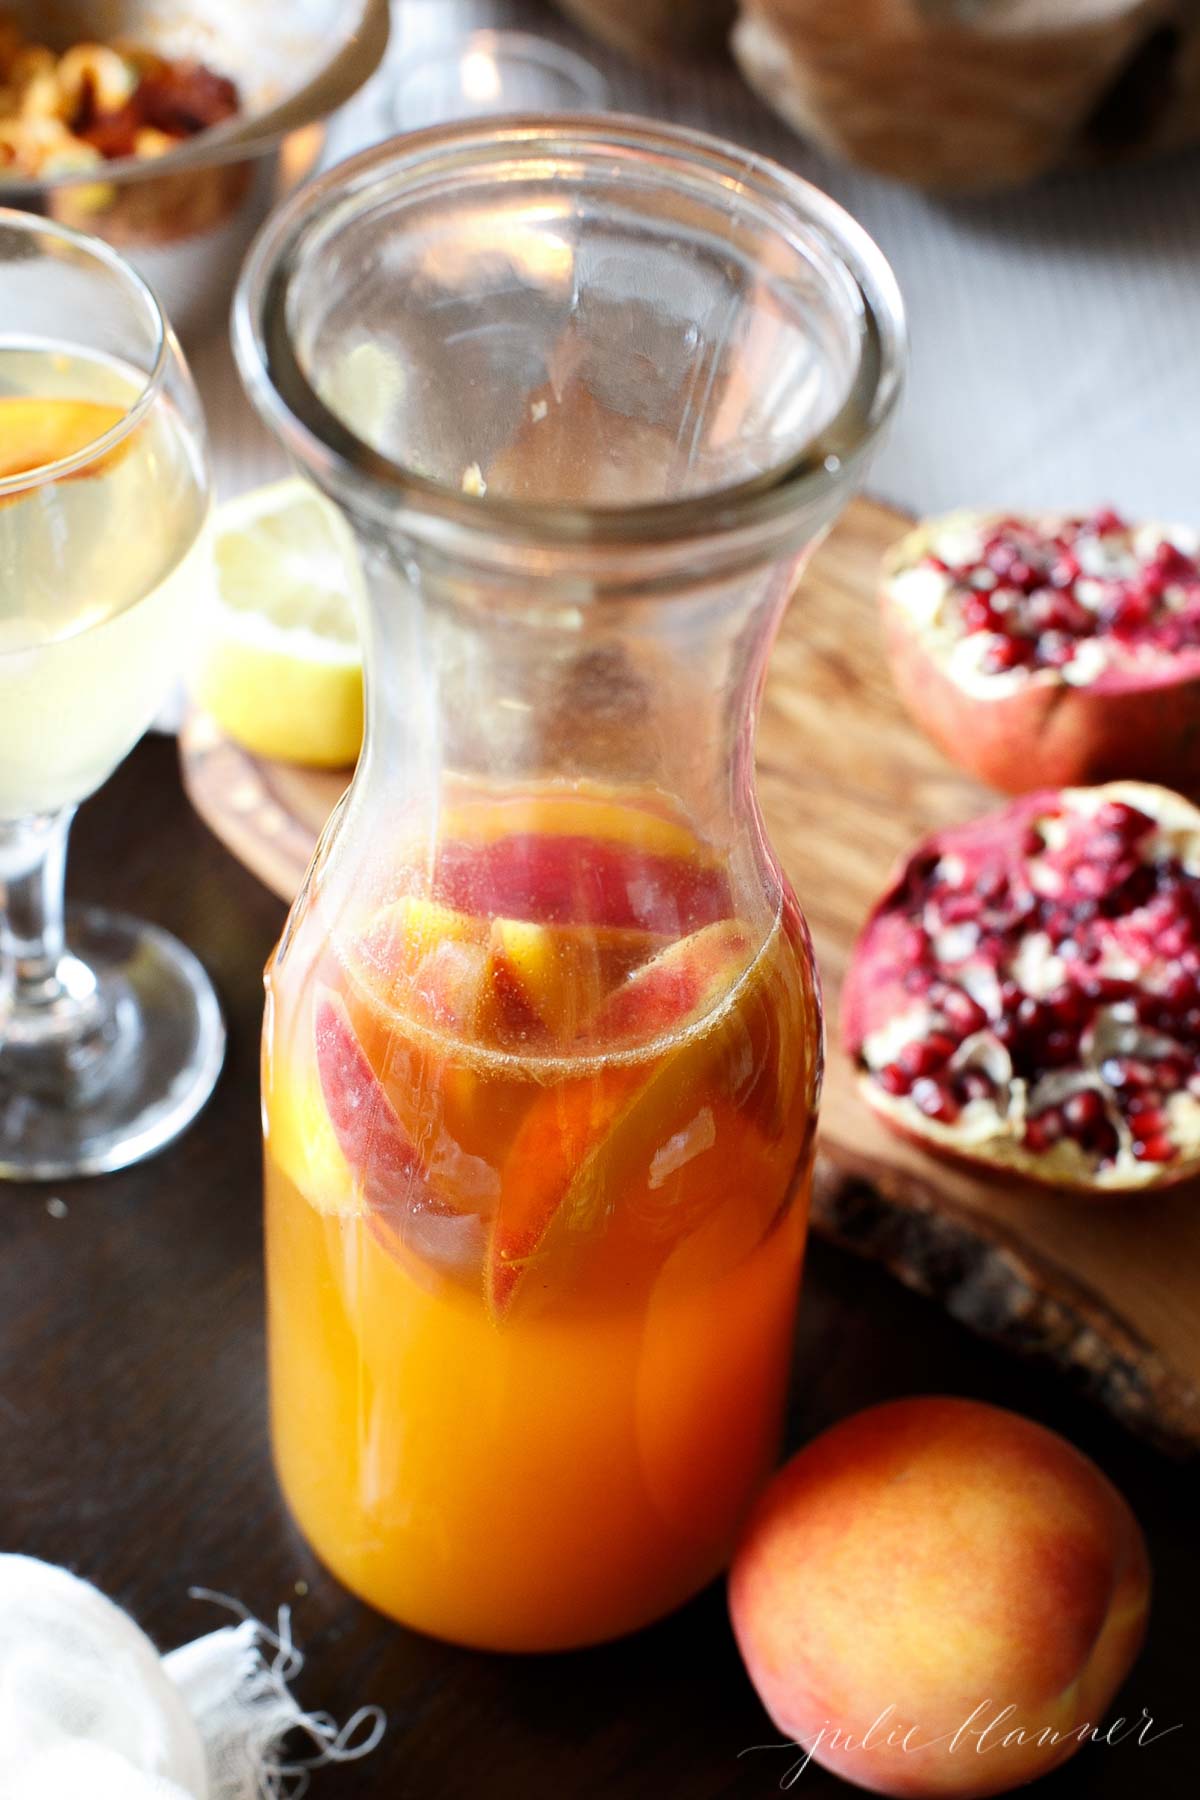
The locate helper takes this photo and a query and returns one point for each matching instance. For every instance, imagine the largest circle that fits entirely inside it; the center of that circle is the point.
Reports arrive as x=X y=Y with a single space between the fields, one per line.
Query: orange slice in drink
x=37 y=432
x=567 y=1148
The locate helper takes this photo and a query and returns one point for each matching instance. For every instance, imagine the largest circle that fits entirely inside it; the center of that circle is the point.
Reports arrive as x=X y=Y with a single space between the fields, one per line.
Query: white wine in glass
x=111 y=1042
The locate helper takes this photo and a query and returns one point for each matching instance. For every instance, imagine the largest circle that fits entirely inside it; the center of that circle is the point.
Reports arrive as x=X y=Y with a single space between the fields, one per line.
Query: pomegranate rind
x=879 y=1014
x=1026 y=729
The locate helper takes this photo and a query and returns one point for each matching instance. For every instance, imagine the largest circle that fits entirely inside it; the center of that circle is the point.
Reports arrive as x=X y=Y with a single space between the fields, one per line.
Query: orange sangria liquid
x=539 y=1129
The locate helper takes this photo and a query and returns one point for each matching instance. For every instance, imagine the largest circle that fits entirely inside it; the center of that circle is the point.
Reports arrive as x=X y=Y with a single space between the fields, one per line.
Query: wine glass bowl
x=108 y=1048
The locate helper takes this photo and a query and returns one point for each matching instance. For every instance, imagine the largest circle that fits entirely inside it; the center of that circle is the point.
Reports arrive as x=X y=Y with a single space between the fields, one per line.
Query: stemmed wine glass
x=110 y=1034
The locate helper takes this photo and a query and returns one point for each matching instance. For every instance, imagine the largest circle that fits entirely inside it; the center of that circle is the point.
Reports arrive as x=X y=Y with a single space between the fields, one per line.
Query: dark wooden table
x=133 y=1436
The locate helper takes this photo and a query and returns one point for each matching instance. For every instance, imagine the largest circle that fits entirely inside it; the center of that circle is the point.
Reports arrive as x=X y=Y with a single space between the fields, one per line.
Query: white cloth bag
x=90 y=1711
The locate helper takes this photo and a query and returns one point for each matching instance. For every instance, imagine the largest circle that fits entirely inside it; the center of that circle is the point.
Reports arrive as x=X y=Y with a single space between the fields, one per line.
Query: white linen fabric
x=89 y=1711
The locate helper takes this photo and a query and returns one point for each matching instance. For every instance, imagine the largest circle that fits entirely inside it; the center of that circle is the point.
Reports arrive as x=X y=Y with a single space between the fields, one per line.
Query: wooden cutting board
x=1108 y=1291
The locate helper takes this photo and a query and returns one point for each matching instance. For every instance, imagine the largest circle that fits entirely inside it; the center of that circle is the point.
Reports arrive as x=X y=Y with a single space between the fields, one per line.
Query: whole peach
x=937 y=1597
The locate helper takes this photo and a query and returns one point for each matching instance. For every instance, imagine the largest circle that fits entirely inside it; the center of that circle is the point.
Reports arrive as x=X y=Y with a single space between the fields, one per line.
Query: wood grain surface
x=1107 y=1291
x=133 y=1437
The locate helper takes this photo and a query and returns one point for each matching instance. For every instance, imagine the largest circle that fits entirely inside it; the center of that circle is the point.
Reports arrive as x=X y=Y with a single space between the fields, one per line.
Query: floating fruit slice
x=302 y=1142
x=37 y=432
x=650 y=825
x=674 y=985
x=564 y=1149
x=578 y=879
x=545 y=980
x=375 y=1145
x=404 y=932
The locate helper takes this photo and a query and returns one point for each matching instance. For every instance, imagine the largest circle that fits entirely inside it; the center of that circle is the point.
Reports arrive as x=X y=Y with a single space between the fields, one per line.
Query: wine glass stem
x=54 y=1026
x=33 y=861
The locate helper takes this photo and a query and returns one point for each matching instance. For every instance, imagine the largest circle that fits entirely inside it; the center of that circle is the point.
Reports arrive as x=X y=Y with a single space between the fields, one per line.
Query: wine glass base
x=168 y=1044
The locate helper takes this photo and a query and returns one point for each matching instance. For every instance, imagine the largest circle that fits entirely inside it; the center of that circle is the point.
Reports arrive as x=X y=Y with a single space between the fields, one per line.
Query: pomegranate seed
x=893 y=1078
x=1172 y=1075
x=1132 y=610
x=1155 y=1149
x=1129 y=821
x=1124 y=1071
x=1104 y=1142
x=1171 y=560
x=934 y=1101
x=963 y=1011
x=1106 y=990
x=979 y=614
x=1045 y=1130
x=959 y=909
x=1005 y=653
x=1068 y=1006
x=1146 y=1115
x=1105 y=522
x=922 y=1058
x=1180 y=989
x=1065 y=571
x=1083 y=1110
x=1056 y=649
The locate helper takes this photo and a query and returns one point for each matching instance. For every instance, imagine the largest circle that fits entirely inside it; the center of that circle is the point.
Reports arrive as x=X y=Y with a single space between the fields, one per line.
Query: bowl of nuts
x=171 y=131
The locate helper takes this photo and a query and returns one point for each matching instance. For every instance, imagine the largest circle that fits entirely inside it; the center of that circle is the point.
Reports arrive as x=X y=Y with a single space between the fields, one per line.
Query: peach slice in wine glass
x=35 y=432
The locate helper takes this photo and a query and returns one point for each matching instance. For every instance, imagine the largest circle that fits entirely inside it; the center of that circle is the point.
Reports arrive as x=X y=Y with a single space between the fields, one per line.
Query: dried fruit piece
x=1052 y=650
x=1027 y=992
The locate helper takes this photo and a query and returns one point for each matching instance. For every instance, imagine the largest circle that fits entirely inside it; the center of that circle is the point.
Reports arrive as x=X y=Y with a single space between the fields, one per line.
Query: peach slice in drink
x=576 y=880
x=35 y=432
x=545 y=981
x=648 y=823
x=572 y=1133
x=377 y=1149
x=579 y=859
x=426 y=1206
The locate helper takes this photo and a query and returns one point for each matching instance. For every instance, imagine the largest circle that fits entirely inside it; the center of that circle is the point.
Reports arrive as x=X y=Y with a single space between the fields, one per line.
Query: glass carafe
x=543 y=1042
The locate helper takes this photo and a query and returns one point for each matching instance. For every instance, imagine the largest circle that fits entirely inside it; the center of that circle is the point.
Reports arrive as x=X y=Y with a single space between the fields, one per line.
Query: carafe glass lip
x=761 y=515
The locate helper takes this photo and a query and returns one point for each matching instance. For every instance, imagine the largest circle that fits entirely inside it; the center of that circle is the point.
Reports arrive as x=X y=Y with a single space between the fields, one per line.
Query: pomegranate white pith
x=1027 y=993
x=1050 y=650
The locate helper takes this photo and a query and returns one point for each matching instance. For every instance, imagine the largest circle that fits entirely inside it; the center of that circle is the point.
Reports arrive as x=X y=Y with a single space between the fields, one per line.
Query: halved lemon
x=282 y=669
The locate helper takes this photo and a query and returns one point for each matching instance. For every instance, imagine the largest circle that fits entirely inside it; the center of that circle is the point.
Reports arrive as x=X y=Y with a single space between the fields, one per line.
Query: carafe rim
x=755 y=518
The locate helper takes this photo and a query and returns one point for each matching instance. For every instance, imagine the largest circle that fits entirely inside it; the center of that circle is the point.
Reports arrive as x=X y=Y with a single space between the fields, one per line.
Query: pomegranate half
x=1050 y=651
x=1026 y=994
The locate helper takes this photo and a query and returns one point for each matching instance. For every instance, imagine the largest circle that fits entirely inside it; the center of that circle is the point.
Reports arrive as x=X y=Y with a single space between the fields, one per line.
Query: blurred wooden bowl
x=977 y=94
x=655 y=28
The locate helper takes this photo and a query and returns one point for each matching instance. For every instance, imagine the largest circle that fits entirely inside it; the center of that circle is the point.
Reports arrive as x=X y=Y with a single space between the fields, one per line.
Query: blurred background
x=1055 y=322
